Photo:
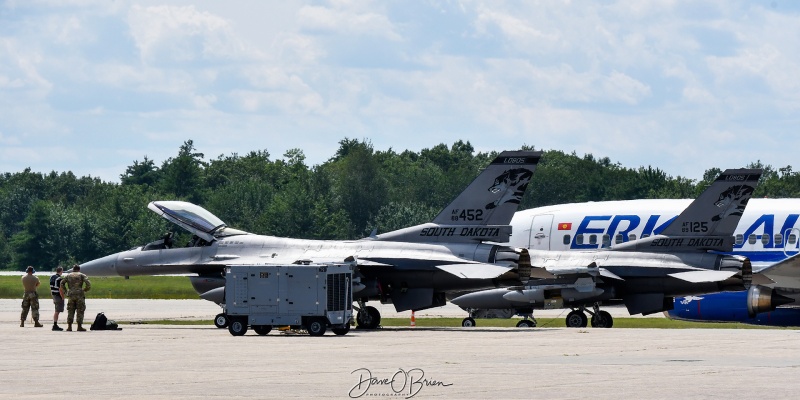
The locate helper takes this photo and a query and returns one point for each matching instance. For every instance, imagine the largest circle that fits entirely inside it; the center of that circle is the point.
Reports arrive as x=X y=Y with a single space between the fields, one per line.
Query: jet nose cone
x=466 y=301
x=214 y=295
x=105 y=266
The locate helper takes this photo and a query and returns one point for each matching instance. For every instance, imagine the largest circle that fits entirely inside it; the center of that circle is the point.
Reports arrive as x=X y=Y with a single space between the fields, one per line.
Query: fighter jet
x=685 y=258
x=412 y=268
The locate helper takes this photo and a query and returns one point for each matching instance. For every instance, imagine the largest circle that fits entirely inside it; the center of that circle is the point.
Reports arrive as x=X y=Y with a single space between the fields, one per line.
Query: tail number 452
x=467 y=215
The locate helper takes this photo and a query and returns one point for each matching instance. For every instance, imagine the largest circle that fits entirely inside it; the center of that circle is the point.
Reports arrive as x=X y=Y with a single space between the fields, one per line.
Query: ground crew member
x=74 y=285
x=58 y=296
x=30 y=300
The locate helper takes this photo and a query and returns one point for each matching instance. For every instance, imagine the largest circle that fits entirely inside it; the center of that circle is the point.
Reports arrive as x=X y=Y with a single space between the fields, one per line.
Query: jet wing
x=785 y=274
x=476 y=270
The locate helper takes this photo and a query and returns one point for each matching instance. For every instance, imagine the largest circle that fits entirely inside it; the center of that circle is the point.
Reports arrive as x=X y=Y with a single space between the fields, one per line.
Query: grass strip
x=113 y=287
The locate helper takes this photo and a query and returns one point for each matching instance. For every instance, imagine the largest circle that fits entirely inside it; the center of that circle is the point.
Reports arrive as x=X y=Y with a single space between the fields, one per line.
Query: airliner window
x=566 y=239
x=592 y=239
x=751 y=239
x=579 y=239
x=739 y=239
x=778 y=239
x=644 y=235
x=764 y=239
x=632 y=236
x=606 y=240
x=792 y=238
x=619 y=238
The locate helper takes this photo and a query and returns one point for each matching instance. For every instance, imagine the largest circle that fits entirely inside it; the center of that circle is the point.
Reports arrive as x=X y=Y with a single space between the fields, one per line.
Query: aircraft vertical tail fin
x=718 y=209
x=494 y=195
x=483 y=211
x=708 y=223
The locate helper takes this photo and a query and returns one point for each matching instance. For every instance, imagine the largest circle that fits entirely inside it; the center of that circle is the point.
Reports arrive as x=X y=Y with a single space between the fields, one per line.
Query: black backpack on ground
x=101 y=323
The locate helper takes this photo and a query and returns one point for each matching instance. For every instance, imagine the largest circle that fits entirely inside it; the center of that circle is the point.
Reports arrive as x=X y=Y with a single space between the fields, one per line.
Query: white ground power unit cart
x=313 y=297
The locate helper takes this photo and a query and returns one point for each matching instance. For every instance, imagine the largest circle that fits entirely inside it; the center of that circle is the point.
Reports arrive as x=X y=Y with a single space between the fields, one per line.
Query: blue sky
x=90 y=86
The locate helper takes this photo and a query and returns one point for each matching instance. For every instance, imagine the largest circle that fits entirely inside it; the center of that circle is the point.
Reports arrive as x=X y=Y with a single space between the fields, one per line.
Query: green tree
x=394 y=216
x=141 y=173
x=183 y=175
x=359 y=188
x=30 y=243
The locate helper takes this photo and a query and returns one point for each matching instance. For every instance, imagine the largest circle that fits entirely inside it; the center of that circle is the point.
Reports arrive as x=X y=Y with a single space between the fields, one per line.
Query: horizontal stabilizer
x=703 y=276
x=785 y=273
x=786 y=267
x=475 y=271
x=761 y=279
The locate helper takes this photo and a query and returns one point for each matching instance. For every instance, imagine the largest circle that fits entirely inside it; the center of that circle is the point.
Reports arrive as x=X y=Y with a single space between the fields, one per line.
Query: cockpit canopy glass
x=189 y=216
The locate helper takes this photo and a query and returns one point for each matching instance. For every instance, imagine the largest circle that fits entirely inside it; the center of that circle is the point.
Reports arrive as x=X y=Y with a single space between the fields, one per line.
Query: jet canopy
x=191 y=217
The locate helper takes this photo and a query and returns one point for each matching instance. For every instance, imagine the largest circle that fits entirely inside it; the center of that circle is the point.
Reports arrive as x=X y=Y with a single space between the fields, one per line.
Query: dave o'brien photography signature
x=401 y=383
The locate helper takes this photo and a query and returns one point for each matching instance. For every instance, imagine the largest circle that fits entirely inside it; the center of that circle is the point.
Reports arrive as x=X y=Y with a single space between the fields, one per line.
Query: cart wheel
x=341 y=330
x=316 y=327
x=238 y=326
x=221 y=321
x=262 y=329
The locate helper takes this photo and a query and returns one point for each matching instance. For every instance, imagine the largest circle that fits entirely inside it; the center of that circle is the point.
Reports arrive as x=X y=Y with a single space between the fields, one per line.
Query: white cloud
x=624 y=88
x=183 y=34
x=346 y=18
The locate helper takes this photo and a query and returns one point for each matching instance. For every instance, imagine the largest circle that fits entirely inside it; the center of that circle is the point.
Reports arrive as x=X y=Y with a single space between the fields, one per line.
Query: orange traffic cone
x=413 y=320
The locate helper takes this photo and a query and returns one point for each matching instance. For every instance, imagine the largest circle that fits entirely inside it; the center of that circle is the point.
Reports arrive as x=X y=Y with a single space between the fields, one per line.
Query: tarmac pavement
x=148 y=310
x=182 y=362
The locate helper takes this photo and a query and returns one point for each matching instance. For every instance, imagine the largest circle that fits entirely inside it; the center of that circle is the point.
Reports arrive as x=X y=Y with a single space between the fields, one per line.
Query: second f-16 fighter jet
x=688 y=257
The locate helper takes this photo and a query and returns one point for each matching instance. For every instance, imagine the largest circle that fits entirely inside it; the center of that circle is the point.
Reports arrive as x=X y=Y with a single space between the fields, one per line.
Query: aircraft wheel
x=341 y=330
x=602 y=319
x=576 y=319
x=368 y=318
x=316 y=327
x=262 y=329
x=221 y=321
x=238 y=326
x=526 y=323
x=468 y=322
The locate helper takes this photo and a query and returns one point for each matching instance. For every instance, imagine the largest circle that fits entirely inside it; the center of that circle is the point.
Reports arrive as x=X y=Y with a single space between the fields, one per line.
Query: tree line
x=57 y=218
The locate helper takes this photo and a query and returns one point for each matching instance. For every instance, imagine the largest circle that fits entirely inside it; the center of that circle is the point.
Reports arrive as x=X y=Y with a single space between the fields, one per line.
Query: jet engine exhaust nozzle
x=764 y=299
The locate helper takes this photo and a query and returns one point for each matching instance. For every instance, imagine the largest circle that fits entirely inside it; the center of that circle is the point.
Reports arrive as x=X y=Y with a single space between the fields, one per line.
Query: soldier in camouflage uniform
x=74 y=286
x=30 y=300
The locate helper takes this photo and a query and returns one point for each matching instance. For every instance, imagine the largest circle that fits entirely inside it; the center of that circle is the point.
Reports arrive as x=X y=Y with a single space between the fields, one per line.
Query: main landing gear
x=600 y=319
x=368 y=317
